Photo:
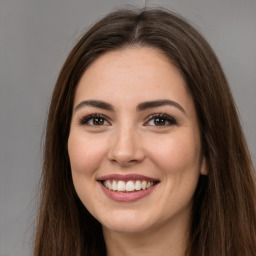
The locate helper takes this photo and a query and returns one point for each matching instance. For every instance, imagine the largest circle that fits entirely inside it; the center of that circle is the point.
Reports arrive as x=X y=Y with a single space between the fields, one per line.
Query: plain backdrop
x=35 y=38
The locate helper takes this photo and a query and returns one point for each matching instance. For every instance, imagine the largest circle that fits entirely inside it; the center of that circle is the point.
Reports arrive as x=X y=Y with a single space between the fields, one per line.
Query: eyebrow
x=159 y=103
x=142 y=106
x=96 y=104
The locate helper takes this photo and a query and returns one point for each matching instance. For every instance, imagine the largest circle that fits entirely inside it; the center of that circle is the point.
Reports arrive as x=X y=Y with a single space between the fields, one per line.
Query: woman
x=144 y=152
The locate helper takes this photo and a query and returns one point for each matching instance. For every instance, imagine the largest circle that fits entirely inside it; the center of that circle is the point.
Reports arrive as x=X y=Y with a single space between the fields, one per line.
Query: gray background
x=35 y=38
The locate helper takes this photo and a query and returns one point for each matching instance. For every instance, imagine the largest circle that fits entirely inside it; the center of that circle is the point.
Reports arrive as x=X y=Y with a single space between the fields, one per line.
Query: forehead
x=132 y=73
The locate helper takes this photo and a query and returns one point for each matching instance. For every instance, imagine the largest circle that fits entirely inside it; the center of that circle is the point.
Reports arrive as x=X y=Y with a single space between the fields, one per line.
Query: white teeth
x=138 y=185
x=149 y=184
x=121 y=185
x=128 y=186
x=144 y=184
x=114 y=185
x=108 y=184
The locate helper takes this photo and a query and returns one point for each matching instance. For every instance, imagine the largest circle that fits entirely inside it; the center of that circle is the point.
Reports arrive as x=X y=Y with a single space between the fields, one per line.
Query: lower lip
x=126 y=196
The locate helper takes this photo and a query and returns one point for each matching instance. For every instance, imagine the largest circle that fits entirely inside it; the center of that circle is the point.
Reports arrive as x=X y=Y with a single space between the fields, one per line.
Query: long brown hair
x=223 y=221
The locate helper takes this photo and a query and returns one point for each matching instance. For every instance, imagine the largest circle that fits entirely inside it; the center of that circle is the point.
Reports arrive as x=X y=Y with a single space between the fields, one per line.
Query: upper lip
x=126 y=177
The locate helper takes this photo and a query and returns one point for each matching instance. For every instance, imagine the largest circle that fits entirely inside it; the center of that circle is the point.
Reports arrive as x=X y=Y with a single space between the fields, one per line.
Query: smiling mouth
x=128 y=186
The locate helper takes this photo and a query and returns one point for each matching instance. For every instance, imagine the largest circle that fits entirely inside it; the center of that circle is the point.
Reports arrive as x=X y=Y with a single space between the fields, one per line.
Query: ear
x=203 y=167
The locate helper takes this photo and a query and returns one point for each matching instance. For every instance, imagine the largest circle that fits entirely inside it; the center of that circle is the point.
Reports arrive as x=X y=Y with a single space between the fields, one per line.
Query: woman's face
x=134 y=143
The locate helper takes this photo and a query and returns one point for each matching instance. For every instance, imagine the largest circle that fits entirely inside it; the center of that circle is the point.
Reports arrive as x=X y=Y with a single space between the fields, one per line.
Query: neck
x=165 y=240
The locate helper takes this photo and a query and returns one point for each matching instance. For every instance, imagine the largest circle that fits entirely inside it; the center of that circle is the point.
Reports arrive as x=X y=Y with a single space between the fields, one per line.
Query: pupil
x=98 y=121
x=159 y=121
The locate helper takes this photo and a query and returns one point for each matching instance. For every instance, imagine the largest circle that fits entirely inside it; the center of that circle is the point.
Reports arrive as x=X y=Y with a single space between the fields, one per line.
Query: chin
x=126 y=228
x=128 y=222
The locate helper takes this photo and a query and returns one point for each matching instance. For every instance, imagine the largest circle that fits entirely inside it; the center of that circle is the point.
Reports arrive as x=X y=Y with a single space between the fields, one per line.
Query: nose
x=126 y=147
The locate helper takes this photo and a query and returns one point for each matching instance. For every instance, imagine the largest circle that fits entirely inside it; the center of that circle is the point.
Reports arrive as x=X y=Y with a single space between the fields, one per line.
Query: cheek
x=85 y=154
x=177 y=154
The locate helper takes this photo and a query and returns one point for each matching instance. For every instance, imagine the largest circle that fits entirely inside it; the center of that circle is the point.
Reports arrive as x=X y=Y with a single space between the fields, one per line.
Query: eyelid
x=84 y=120
x=168 y=118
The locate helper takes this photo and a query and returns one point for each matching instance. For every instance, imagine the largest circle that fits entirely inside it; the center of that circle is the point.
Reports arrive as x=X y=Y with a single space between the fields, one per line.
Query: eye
x=160 y=120
x=94 y=120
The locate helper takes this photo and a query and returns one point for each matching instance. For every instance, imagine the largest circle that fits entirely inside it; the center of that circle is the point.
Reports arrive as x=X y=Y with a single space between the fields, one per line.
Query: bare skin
x=134 y=117
x=171 y=239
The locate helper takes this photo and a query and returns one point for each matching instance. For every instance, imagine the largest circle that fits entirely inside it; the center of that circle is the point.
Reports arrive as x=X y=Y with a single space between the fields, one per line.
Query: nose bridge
x=126 y=145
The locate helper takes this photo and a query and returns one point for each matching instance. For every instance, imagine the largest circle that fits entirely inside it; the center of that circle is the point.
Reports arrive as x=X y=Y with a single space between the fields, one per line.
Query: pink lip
x=126 y=196
x=126 y=177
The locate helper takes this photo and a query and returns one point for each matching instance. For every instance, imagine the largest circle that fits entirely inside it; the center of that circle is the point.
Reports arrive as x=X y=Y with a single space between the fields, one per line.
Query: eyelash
x=85 y=120
x=162 y=118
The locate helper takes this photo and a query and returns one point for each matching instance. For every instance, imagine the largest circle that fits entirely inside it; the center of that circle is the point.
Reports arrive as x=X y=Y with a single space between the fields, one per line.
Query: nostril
x=125 y=158
x=123 y=163
x=126 y=147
